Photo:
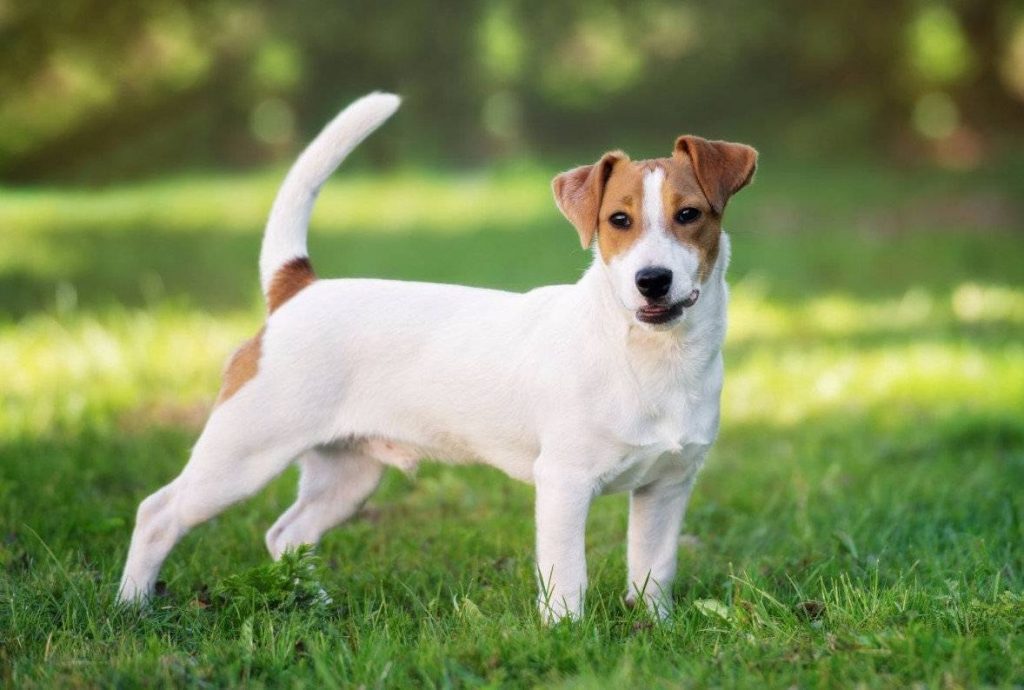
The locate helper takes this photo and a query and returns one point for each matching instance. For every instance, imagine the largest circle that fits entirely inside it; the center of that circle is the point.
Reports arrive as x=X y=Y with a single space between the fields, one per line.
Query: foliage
x=286 y=584
x=100 y=91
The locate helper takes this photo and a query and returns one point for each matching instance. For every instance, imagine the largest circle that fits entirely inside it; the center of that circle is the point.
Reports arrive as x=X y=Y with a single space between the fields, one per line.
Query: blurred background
x=98 y=92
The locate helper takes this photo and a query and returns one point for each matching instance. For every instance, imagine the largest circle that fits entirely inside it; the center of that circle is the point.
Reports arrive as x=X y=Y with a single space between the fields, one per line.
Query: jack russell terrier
x=610 y=384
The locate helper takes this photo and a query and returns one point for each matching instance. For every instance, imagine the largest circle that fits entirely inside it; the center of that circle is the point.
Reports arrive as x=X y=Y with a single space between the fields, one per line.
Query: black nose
x=653 y=282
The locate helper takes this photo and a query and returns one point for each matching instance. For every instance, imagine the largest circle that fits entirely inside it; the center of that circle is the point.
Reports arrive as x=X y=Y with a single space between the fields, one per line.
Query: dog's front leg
x=563 y=502
x=655 y=516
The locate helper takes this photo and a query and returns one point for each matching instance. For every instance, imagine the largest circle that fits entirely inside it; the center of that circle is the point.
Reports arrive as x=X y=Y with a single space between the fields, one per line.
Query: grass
x=859 y=522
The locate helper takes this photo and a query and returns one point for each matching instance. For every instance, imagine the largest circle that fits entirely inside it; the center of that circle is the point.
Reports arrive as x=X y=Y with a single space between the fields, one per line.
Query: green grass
x=871 y=459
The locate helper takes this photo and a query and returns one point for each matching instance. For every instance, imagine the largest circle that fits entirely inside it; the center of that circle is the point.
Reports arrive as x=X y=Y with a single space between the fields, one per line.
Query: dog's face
x=658 y=222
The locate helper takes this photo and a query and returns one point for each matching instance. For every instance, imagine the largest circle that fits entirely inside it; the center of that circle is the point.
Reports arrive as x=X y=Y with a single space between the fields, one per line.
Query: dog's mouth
x=664 y=313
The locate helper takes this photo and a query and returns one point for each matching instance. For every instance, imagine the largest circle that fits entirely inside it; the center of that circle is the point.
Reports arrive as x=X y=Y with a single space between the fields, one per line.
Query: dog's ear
x=722 y=168
x=578 y=193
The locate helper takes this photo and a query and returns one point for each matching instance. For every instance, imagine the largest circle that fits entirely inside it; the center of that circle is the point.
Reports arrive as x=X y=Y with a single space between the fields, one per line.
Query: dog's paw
x=553 y=612
x=129 y=595
x=659 y=607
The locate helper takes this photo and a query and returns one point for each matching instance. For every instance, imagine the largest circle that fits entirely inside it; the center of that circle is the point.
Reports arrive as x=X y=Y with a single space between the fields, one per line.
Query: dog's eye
x=687 y=215
x=620 y=220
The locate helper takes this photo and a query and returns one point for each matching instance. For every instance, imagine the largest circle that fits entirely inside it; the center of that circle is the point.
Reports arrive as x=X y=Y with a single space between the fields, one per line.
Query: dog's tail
x=284 y=260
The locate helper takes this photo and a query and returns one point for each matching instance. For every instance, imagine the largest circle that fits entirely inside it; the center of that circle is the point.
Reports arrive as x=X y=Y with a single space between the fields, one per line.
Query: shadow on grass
x=217 y=271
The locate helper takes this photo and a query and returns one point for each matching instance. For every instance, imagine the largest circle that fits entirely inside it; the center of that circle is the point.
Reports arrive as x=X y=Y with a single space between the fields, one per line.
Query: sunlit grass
x=84 y=369
x=754 y=316
x=787 y=362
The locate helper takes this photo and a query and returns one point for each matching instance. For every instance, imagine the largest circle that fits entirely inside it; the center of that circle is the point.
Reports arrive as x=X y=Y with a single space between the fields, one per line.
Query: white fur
x=285 y=236
x=560 y=386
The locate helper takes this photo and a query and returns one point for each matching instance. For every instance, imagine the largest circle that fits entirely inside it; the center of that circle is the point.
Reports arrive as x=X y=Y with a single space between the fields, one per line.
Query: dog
x=610 y=384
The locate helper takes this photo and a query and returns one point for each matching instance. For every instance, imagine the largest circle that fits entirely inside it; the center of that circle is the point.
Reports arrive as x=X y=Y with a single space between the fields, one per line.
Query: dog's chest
x=668 y=438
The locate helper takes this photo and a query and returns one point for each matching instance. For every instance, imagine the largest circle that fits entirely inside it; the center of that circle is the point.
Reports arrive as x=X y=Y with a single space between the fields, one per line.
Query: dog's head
x=658 y=222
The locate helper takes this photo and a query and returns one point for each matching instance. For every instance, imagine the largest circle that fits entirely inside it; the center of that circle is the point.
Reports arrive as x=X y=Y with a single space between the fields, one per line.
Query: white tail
x=285 y=237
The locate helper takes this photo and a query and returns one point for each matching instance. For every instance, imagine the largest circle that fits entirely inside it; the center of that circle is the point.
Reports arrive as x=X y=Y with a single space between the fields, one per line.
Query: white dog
x=610 y=384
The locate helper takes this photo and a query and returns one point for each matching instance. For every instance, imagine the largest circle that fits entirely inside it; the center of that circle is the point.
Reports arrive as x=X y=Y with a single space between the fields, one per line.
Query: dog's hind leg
x=335 y=482
x=240 y=450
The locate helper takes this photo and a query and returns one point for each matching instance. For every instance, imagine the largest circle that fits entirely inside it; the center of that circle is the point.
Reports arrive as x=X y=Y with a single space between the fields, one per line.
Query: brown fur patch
x=289 y=280
x=680 y=190
x=242 y=367
x=623 y=192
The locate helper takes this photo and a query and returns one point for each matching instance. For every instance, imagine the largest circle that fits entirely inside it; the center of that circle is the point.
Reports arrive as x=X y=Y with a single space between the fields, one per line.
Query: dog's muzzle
x=664 y=313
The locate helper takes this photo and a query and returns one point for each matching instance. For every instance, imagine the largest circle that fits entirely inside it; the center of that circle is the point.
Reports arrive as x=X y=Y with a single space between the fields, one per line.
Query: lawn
x=859 y=521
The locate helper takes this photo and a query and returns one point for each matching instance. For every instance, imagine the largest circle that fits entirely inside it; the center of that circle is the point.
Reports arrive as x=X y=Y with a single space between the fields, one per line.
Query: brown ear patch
x=578 y=193
x=242 y=367
x=289 y=280
x=722 y=168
